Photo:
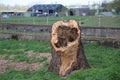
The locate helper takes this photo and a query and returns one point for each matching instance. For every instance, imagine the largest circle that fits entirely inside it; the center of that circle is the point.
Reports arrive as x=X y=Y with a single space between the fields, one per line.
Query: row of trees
x=115 y=4
x=4 y=7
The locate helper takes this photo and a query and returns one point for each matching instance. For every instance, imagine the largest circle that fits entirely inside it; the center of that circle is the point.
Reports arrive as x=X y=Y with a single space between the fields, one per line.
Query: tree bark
x=67 y=50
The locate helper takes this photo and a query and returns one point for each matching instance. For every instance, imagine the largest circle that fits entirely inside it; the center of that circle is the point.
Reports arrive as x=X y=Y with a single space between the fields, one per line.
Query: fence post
x=47 y=20
x=33 y=21
x=62 y=18
x=99 y=22
x=79 y=22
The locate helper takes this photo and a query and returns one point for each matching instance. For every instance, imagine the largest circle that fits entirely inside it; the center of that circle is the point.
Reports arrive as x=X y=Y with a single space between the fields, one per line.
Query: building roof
x=81 y=9
x=45 y=6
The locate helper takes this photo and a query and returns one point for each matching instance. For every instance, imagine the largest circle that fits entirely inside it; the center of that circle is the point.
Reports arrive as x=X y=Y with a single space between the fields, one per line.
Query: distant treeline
x=9 y=8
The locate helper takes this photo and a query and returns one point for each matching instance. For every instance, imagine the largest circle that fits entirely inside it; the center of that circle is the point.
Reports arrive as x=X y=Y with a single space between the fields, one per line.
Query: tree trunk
x=67 y=50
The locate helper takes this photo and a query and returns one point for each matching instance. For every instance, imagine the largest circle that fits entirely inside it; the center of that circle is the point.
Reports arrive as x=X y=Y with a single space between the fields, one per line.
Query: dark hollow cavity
x=65 y=35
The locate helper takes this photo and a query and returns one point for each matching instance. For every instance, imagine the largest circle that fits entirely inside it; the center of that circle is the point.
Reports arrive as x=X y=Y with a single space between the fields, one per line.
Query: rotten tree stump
x=67 y=50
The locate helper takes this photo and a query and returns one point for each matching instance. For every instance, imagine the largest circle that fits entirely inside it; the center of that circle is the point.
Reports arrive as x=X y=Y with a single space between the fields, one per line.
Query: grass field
x=93 y=21
x=104 y=61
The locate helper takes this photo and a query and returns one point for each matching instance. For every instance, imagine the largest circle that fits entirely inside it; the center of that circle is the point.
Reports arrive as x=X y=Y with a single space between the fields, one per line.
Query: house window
x=51 y=11
x=40 y=11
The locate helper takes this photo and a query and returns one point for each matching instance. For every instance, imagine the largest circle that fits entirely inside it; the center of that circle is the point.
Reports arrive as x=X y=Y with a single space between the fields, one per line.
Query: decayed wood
x=67 y=50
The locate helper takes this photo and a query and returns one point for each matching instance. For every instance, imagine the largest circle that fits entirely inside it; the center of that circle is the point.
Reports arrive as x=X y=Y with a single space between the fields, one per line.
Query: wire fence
x=91 y=21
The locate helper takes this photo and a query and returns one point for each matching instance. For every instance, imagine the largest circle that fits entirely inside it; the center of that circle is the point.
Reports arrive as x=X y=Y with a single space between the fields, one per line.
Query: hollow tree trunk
x=67 y=50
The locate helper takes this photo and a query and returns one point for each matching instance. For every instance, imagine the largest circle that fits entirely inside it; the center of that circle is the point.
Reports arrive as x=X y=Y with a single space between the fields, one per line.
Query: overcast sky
x=64 y=2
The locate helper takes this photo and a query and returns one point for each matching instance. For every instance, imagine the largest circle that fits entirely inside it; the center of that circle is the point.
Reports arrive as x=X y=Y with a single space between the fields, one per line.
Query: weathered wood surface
x=67 y=50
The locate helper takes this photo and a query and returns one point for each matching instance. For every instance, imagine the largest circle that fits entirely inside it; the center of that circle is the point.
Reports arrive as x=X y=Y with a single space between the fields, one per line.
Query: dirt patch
x=11 y=56
x=30 y=54
x=39 y=55
x=24 y=66
x=6 y=65
x=2 y=56
x=3 y=66
x=48 y=55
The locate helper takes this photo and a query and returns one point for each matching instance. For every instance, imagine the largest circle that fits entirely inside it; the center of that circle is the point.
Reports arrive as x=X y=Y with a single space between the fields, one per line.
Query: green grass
x=21 y=47
x=88 y=20
x=9 y=46
x=104 y=61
